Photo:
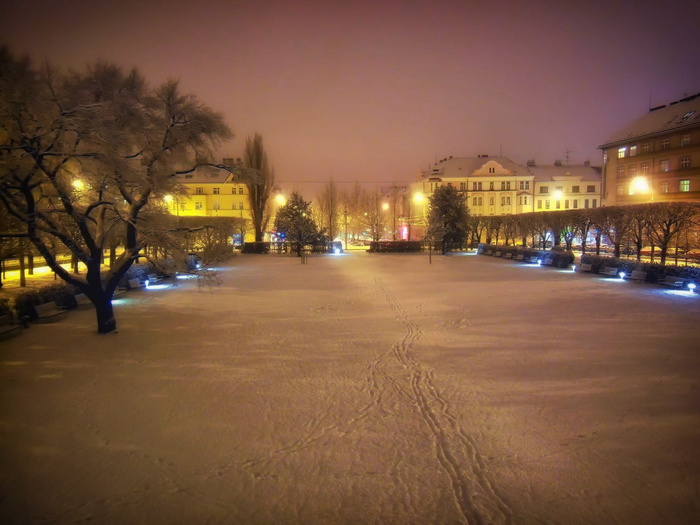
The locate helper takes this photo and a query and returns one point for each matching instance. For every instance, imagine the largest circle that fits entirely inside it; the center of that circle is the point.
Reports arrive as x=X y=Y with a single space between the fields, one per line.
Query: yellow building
x=655 y=158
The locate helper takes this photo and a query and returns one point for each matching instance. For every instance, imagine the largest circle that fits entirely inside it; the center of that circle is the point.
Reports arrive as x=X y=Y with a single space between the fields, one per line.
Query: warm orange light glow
x=639 y=185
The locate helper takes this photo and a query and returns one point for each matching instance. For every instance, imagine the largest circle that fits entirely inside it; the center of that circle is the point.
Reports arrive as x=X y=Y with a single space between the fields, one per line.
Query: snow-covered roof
x=202 y=176
x=555 y=172
x=466 y=166
x=678 y=115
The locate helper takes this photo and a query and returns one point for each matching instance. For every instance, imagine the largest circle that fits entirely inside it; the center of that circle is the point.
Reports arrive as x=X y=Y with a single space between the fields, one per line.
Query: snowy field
x=361 y=388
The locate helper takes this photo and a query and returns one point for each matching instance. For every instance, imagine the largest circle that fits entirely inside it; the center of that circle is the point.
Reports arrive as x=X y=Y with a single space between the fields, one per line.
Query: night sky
x=375 y=91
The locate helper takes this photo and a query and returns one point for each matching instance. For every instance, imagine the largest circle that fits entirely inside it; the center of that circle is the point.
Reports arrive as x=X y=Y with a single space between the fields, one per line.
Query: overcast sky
x=376 y=90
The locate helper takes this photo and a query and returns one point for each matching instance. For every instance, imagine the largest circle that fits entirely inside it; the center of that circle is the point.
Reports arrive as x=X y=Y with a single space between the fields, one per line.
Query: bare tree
x=329 y=209
x=668 y=220
x=259 y=179
x=83 y=155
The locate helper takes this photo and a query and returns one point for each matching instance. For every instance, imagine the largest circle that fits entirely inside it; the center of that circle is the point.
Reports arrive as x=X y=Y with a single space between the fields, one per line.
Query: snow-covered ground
x=361 y=389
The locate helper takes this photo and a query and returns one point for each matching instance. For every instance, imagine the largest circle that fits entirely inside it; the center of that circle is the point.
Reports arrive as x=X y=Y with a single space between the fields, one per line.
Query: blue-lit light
x=692 y=286
x=622 y=275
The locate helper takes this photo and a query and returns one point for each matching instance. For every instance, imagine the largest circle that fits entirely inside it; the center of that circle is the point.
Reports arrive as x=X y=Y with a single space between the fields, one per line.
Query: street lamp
x=640 y=185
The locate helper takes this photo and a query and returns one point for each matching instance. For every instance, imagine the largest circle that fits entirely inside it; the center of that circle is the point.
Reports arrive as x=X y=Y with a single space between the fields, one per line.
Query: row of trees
x=664 y=225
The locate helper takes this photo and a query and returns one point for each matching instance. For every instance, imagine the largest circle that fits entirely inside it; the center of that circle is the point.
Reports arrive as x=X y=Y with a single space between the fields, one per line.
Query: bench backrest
x=134 y=283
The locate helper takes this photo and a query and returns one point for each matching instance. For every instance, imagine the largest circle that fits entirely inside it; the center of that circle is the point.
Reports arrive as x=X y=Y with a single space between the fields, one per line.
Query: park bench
x=609 y=271
x=489 y=252
x=531 y=259
x=549 y=261
x=81 y=300
x=153 y=278
x=519 y=257
x=585 y=267
x=637 y=275
x=135 y=284
x=497 y=254
x=508 y=256
x=8 y=327
x=47 y=312
x=672 y=280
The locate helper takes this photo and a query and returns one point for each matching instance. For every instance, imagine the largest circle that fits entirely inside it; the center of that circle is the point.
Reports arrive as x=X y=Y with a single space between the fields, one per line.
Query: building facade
x=655 y=158
x=498 y=186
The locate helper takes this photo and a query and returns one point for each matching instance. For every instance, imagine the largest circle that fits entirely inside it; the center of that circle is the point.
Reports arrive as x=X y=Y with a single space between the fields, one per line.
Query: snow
x=362 y=388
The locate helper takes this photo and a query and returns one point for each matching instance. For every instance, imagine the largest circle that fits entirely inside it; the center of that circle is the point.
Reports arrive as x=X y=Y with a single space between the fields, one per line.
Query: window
x=507 y=201
x=492 y=170
x=622 y=153
x=216 y=205
x=684 y=185
x=665 y=144
x=546 y=204
x=503 y=201
x=233 y=190
x=197 y=205
x=685 y=162
x=480 y=202
x=558 y=204
x=620 y=189
x=633 y=151
x=233 y=206
x=492 y=201
x=645 y=147
x=240 y=191
x=585 y=203
x=575 y=203
x=539 y=204
x=644 y=168
x=566 y=204
x=685 y=140
x=544 y=189
x=620 y=172
x=524 y=200
x=632 y=170
x=462 y=186
x=686 y=116
x=559 y=188
x=216 y=191
x=240 y=205
x=595 y=203
x=491 y=186
x=665 y=165
x=503 y=185
x=524 y=184
x=590 y=188
x=663 y=186
x=575 y=189
x=199 y=191
x=508 y=185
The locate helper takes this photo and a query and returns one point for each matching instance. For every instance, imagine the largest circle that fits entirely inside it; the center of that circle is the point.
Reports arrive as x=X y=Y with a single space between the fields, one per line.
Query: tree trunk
x=104 y=310
x=22 y=276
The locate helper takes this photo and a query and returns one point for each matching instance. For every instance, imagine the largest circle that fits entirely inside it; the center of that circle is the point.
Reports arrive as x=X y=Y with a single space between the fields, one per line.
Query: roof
x=676 y=116
x=552 y=173
x=466 y=166
x=205 y=176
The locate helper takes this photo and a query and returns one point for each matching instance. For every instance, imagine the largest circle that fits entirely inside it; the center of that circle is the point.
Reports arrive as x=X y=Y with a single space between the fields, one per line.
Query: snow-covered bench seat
x=637 y=275
x=48 y=312
x=609 y=271
x=585 y=267
x=672 y=280
x=135 y=284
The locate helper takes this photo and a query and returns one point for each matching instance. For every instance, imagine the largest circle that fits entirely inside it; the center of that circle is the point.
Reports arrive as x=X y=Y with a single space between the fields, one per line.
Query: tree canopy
x=86 y=158
x=295 y=221
x=447 y=219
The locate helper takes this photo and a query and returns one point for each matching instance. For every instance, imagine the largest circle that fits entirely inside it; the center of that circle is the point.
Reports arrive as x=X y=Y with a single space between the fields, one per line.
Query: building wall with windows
x=655 y=158
x=561 y=187
x=211 y=195
x=498 y=186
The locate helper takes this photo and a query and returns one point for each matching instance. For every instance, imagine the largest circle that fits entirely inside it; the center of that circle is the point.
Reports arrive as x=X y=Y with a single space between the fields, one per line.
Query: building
x=655 y=158
x=564 y=187
x=216 y=194
x=499 y=186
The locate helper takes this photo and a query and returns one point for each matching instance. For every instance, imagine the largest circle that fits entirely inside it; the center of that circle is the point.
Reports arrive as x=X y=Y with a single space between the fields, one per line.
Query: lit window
x=216 y=191
x=665 y=144
x=663 y=186
x=665 y=165
x=621 y=153
x=633 y=151
x=685 y=162
x=685 y=140
x=684 y=185
x=644 y=167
